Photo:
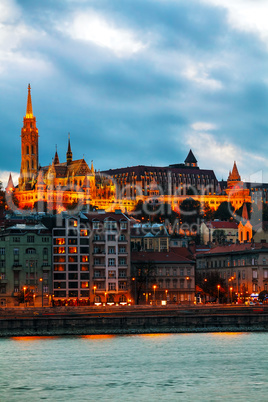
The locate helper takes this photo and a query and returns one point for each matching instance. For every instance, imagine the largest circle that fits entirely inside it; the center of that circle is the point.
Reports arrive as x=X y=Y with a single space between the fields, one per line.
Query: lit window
x=60 y=241
x=72 y=250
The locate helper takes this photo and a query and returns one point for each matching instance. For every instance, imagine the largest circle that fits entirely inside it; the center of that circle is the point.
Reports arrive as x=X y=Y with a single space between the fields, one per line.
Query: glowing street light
x=218 y=293
x=231 y=291
x=24 y=288
x=41 y=280
x=154 y=291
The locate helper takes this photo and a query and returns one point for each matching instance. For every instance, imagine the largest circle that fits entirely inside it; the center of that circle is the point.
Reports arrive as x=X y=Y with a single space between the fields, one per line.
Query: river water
x=176 y=367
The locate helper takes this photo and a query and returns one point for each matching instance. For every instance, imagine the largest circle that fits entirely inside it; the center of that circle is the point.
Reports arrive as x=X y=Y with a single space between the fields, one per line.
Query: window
x=188 y=272
x=2 y=251
x=96 y=225
x=30 y=251
x=167 y=272
x=122 y=261
x=72 y=250
x=111 y=286
x=59 y=258
x=72 y=241
x=123 y=225
x=30 y=239
x=72 y=258
x=16 y=251
x=16 y=239
x=122 y=249
x=181 y=272
x=265 y=273
x=111 y=237
x=59 y=250
x=58 y=267
x=111 y=274
x=254 y=274
x=84 y=258
x=122 y=285
x=122 y=237
x=83 y=232
x=111 y=250
x=45 y=239
x=111 y=261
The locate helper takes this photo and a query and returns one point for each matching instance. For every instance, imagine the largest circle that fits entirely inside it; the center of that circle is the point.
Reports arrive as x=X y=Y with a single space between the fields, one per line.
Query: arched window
x=110 y=299
x=122 y=299
x=27 y=149
x=32 y=149
x=30 y=251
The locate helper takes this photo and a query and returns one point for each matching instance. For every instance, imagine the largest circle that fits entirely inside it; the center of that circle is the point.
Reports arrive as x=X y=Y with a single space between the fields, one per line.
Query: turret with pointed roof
x=234 y=176
x=10 y=185
x=69 y=154
x=56 y=157
x=191 y=159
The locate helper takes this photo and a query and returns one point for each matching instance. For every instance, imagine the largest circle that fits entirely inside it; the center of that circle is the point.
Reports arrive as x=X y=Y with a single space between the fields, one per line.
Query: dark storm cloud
x=126 y=107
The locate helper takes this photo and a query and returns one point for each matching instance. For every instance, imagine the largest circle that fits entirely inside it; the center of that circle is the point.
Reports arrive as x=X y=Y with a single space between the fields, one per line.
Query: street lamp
x=166 y=293
x=135 y=299
x=94 y=292
x=218 y=293
x=231 y=291
x=154 y=291
x=41 y=280
x=24 y=288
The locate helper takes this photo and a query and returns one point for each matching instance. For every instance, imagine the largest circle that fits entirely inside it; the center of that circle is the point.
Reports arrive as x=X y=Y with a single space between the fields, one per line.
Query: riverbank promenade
x=131 y=320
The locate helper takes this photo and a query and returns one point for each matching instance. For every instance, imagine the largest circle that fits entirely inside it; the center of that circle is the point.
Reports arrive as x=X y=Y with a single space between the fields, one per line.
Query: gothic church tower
x=29 y=146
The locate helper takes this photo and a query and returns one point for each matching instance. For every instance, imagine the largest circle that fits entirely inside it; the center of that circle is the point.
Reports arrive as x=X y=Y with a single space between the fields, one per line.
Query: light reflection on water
x=163 y=367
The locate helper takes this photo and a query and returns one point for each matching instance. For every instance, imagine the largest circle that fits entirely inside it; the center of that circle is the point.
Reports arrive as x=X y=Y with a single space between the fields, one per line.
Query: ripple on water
x=201 y=367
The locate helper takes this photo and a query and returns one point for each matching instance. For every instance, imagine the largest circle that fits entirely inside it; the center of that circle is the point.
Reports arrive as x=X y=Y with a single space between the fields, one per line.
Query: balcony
x=16 y=267
x=99 y=240
x=99 y=252
x=99 y=278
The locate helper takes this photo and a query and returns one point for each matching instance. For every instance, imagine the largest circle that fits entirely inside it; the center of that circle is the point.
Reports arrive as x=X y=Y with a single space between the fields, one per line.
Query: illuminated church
x=59 y=186
x=72 y=185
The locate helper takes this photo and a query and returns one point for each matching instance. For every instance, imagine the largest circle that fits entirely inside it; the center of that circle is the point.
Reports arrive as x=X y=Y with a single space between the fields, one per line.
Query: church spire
x=69 y=154
x=29 y=108
x=56 y=157
x=245 y=213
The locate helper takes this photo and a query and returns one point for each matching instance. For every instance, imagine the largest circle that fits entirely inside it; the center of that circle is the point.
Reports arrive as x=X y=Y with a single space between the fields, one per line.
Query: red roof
x=240 y=247
x=168 y=257
x=222 y=225
x=182 y=251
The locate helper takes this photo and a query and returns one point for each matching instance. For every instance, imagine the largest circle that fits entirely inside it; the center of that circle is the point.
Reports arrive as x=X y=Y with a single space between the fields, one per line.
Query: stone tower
x=29 y=146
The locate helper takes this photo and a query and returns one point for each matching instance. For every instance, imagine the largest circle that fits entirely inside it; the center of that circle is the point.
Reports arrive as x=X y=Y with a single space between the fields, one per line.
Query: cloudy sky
x=137 y=81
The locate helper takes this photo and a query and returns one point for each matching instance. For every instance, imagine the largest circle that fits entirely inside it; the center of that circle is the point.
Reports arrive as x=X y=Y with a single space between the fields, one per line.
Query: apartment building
x=25 y=265
x=244 y=267
x=110 y=257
